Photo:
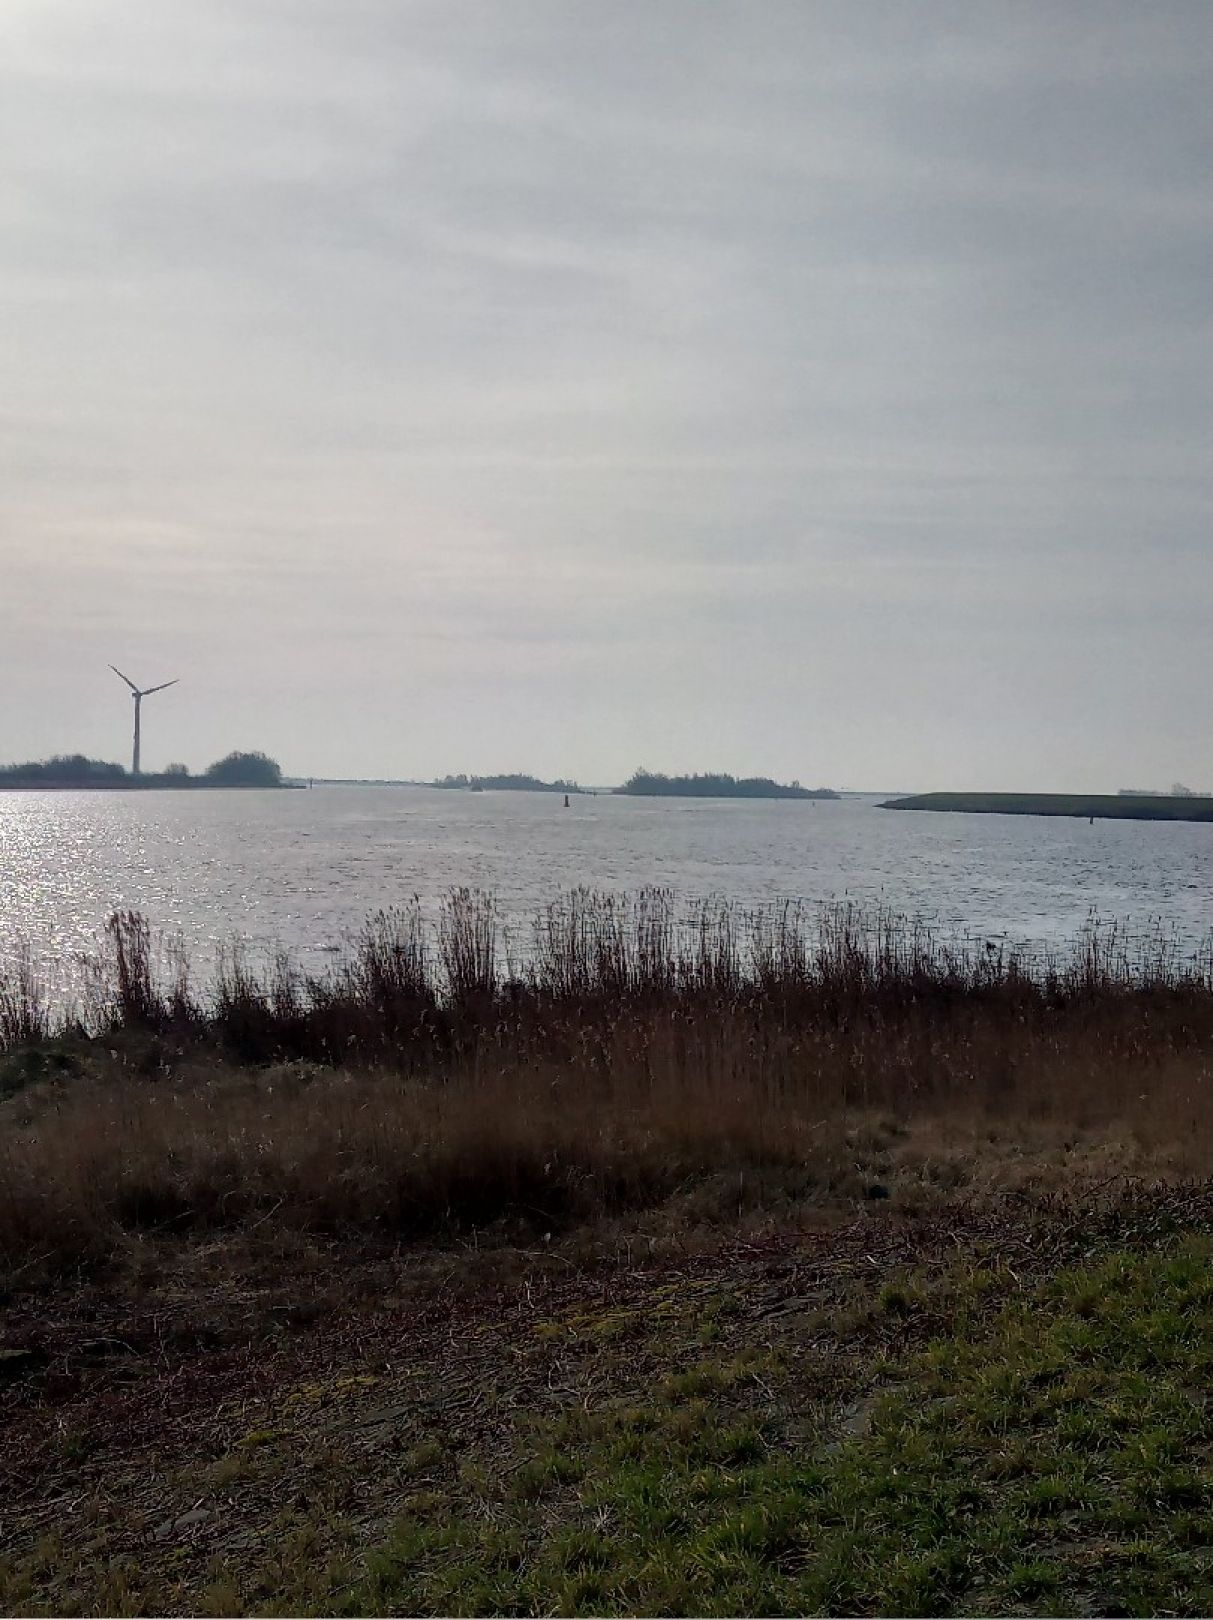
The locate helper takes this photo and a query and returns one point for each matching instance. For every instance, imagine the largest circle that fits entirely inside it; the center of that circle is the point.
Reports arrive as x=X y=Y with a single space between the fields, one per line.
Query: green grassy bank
x=998 y=1414
x=1109 y=806
x=976 y=1447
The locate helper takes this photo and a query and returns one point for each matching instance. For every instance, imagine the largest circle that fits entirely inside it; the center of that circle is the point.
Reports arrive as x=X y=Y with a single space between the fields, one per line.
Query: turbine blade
x=126 y=678
x=164 y=685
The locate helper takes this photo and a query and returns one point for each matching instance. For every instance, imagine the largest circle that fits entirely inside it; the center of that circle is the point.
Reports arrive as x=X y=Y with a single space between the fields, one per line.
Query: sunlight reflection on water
x=303 y=869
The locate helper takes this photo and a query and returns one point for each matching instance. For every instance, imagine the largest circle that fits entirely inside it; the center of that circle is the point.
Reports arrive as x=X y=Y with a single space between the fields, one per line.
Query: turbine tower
x=139 y=697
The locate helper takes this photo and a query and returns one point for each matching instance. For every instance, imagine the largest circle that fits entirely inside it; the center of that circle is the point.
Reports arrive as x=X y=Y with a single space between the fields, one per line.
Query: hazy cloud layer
x=824 y=389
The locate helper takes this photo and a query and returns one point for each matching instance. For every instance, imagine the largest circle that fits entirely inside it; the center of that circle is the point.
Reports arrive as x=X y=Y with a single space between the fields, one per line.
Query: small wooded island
x=717 y=785
x=511 y=782
x=69 y=771
x=1110 y=806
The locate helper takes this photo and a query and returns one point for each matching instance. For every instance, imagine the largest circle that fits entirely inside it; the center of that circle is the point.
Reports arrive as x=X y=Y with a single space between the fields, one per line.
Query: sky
x=821 y=390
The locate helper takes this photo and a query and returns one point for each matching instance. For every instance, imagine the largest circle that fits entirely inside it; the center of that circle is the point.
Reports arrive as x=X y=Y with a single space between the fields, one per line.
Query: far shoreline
x=1101 y=806
x=151 y=787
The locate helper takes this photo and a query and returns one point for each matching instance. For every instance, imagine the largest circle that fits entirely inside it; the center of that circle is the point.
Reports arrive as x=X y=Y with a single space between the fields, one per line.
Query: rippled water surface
x=301 y=869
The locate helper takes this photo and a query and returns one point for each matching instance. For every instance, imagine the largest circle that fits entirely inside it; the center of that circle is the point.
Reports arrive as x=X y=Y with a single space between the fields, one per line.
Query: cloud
x=623 y=378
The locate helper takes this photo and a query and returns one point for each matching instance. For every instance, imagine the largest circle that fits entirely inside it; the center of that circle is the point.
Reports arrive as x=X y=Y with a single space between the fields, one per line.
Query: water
x=303 y=869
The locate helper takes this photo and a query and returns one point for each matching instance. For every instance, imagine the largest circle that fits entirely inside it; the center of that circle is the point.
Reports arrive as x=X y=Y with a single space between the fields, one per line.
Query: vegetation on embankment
x=961 y=1444
x=745 y=1263
x=73 y=771
x=631 y=1056
x=1109 y=806
x=996 y=1410
x=717 y=785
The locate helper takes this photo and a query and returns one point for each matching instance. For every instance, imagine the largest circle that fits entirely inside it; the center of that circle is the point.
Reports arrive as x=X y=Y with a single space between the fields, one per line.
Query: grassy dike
x=964 y=1445
x=893 y=1417
x=1106 y=806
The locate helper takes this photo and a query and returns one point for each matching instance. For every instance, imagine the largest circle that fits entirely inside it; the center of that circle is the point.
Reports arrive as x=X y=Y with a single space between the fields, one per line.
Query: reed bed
x=440 y=1077
x=410 y=983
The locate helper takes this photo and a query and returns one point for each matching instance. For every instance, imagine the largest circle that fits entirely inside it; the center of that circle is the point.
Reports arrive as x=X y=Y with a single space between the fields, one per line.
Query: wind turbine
x=139 y=697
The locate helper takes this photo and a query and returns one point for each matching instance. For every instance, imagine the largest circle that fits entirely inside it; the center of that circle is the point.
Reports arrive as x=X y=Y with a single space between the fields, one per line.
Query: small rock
x=172 y=1527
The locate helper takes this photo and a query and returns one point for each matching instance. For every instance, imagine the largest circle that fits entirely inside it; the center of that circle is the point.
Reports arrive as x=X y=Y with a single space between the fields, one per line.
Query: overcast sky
x=823 y=390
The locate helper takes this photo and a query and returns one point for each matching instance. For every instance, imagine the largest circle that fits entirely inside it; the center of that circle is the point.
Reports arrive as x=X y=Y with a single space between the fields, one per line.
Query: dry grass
x=633 y=1056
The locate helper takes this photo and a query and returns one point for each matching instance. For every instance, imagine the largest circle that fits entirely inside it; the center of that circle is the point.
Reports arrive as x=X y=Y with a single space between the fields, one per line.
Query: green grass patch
x=1052 y=1452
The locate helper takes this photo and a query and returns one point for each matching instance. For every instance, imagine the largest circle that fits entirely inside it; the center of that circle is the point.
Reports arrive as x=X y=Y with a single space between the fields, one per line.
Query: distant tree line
x=516 y=782
x=77 y=770
x=717 y=785
x=64 y=770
